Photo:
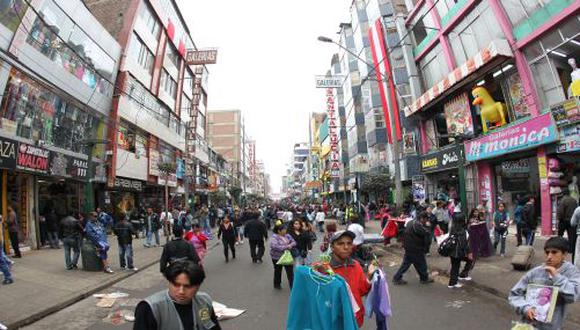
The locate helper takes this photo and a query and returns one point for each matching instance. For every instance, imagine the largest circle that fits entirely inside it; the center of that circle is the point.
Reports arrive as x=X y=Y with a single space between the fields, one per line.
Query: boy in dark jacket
x=124 y=231
x=416 y=244
x=176 y=250
x=256 y=232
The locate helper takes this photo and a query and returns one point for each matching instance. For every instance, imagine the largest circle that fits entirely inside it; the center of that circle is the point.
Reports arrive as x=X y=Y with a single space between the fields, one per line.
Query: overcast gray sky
x=268 y=56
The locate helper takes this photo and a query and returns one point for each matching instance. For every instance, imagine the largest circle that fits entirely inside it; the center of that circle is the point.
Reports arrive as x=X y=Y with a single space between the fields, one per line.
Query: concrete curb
x=53 y=309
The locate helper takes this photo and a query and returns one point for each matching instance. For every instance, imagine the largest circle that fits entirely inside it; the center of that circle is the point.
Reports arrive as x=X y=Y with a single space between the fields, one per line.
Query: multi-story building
x=226 y=135
x=58 y=70
x=150 y=112
x=491 y=73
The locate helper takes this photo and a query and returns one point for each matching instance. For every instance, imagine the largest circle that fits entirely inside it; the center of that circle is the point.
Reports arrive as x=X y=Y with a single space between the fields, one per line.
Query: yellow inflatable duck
x=491 y=111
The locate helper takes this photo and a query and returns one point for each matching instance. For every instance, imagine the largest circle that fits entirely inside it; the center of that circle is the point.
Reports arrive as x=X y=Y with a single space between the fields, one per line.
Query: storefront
x=503 y=156
x=441 y=173
x=125 y=198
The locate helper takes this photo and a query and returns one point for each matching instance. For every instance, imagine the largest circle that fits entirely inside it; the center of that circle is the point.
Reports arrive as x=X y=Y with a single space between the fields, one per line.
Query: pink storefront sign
x=527 y=135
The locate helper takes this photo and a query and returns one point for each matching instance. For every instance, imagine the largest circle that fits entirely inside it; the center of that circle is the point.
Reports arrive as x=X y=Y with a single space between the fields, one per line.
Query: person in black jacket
x=227 y=233
x=529 y=221
x=416 y=244
x=255 y=230
x=124 y=231
x=460 y=253
x=71 y=232
x=176 y=250
x=52 y=228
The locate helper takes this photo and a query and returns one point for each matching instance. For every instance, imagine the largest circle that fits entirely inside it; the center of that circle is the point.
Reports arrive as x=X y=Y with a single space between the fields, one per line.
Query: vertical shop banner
x=333 y=134
x=485 y=185
x=517 y=96
x=458 y=116
x=527 y=135
x=418 y=188
x=8 y=149
x=32 y=159
x=180 y=168
x=409 y=144
x=153 y=162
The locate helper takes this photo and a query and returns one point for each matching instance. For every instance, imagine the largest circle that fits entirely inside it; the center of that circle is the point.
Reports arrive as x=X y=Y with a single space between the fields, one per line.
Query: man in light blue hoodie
x=556 y=271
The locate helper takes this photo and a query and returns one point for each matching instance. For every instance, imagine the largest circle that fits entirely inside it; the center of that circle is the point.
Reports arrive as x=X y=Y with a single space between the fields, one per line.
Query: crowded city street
x=297 y=165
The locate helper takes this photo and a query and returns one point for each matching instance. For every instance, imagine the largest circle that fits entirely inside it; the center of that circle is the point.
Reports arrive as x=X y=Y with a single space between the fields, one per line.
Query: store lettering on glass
x=449 y=158
x=334 y=156
x=7 y=154
x=32 y=158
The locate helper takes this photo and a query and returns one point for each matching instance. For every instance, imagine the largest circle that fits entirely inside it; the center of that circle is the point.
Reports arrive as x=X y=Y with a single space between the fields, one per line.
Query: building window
x=185 y=108
x=433 y=67
x=169 y=84
x=423 y=25
x=56 y=36
x=11 y=13
x=140 y=53
x=150 y=20
x=166 y=153
x=172 y=55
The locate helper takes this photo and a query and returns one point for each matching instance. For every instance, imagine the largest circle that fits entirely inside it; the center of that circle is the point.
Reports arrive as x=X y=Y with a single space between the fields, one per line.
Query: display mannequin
x=573 y=188
x=574 y=89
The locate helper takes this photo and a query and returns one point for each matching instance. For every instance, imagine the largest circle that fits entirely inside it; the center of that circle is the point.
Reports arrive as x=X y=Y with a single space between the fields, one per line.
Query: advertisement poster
x=566 y=113
x=153 y=162
x=458 y=116
x=569 y=139
x=516 y=92
x=409 y=143
x=431 y=137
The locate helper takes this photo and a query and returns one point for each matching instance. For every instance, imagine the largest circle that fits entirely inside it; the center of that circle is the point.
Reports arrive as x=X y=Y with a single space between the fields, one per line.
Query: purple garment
x=378 y=301
x=479 y=240
x=278 y=244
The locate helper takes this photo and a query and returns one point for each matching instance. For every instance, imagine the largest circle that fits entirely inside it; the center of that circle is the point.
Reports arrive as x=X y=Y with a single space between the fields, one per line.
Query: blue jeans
x=205 y=224
x=53 y=239
x=150 y=234
x=126 y=253
x=5 y=266
x=499 y=238
x=68 y=244
x=416 y=259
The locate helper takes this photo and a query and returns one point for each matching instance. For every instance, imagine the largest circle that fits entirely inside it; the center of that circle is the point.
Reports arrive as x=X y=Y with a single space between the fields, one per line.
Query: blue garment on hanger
x=319 y=302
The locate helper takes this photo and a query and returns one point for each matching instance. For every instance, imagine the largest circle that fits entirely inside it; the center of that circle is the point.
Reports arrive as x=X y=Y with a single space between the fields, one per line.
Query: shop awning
x=496 y=49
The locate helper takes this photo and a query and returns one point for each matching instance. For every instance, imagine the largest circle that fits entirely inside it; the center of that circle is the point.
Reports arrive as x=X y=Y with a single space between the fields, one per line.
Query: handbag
x=286 y=259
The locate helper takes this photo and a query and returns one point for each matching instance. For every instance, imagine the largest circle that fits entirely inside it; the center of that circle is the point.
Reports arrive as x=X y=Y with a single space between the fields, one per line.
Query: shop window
x=188 y=81
x=169 y=85
x=32 y=111
x=519 y=10
x=56 y=36
x=11 y=13
x=423 y=25
x=166 y=154
x=140 y=145
x=141 y=54
x=172 y=55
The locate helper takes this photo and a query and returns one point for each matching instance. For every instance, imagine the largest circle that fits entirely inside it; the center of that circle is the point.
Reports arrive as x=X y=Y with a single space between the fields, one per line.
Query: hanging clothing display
x=319 y=302
x=378 y=301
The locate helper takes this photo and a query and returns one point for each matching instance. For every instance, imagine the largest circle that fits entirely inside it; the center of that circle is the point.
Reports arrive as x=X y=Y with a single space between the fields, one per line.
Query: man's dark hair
x=194 y=272
x=423 y=216
x=558 y=243
x=177 y=231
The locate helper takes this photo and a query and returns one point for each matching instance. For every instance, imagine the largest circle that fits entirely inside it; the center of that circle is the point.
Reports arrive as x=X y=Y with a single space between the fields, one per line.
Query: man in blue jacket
x=97 y=233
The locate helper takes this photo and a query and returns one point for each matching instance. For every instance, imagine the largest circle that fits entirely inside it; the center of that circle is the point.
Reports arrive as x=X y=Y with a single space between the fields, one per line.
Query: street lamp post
x=395 y=144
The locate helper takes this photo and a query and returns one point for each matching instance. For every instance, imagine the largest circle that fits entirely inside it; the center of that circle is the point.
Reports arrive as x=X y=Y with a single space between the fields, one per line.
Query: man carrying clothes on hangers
x=344 y=265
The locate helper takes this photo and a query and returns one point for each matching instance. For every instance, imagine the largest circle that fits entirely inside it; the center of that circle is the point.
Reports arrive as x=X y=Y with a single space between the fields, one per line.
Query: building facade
x=481 y=59
x=58 y=72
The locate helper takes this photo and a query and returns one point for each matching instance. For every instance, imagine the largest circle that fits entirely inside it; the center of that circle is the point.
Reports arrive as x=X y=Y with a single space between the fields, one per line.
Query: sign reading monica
x=201 y=57
x=329 y=81
x=527 y=135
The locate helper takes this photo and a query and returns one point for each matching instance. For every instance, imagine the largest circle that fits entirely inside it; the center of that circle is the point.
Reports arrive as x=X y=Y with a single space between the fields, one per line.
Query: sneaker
x=133 y=269
x=502 y=255
x=467 y=278
x=108 y=270
x=428 y=281
x=123 y=268
x=399 y=282
x=8 y=281
x=456 y=286
x=75 y=267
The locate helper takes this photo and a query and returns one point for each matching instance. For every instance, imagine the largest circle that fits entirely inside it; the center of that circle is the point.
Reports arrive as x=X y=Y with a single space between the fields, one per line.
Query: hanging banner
x=409 y=144
x=333 y=134
x=458 y=116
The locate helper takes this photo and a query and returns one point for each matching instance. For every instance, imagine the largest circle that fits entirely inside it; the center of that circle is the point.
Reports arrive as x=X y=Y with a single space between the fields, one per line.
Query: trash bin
x=90 y=259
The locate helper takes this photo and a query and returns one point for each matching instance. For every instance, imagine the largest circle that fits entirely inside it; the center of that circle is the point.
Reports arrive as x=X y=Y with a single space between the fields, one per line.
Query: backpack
x=448 y=245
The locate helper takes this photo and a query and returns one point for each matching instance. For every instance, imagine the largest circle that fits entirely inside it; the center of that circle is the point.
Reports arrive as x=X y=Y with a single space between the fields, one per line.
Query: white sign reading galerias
x=333 y=134
x=329 y=81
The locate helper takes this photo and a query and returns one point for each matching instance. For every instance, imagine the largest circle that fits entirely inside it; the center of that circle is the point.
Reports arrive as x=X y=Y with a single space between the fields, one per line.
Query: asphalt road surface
x=241 y=284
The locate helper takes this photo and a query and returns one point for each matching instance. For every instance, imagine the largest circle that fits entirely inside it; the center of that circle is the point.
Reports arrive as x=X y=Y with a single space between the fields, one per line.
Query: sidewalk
x=42 y=285
x=494 y=274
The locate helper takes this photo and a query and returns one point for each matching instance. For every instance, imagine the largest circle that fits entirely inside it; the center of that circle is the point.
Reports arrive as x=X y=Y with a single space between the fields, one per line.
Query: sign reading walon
x=329 y=81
